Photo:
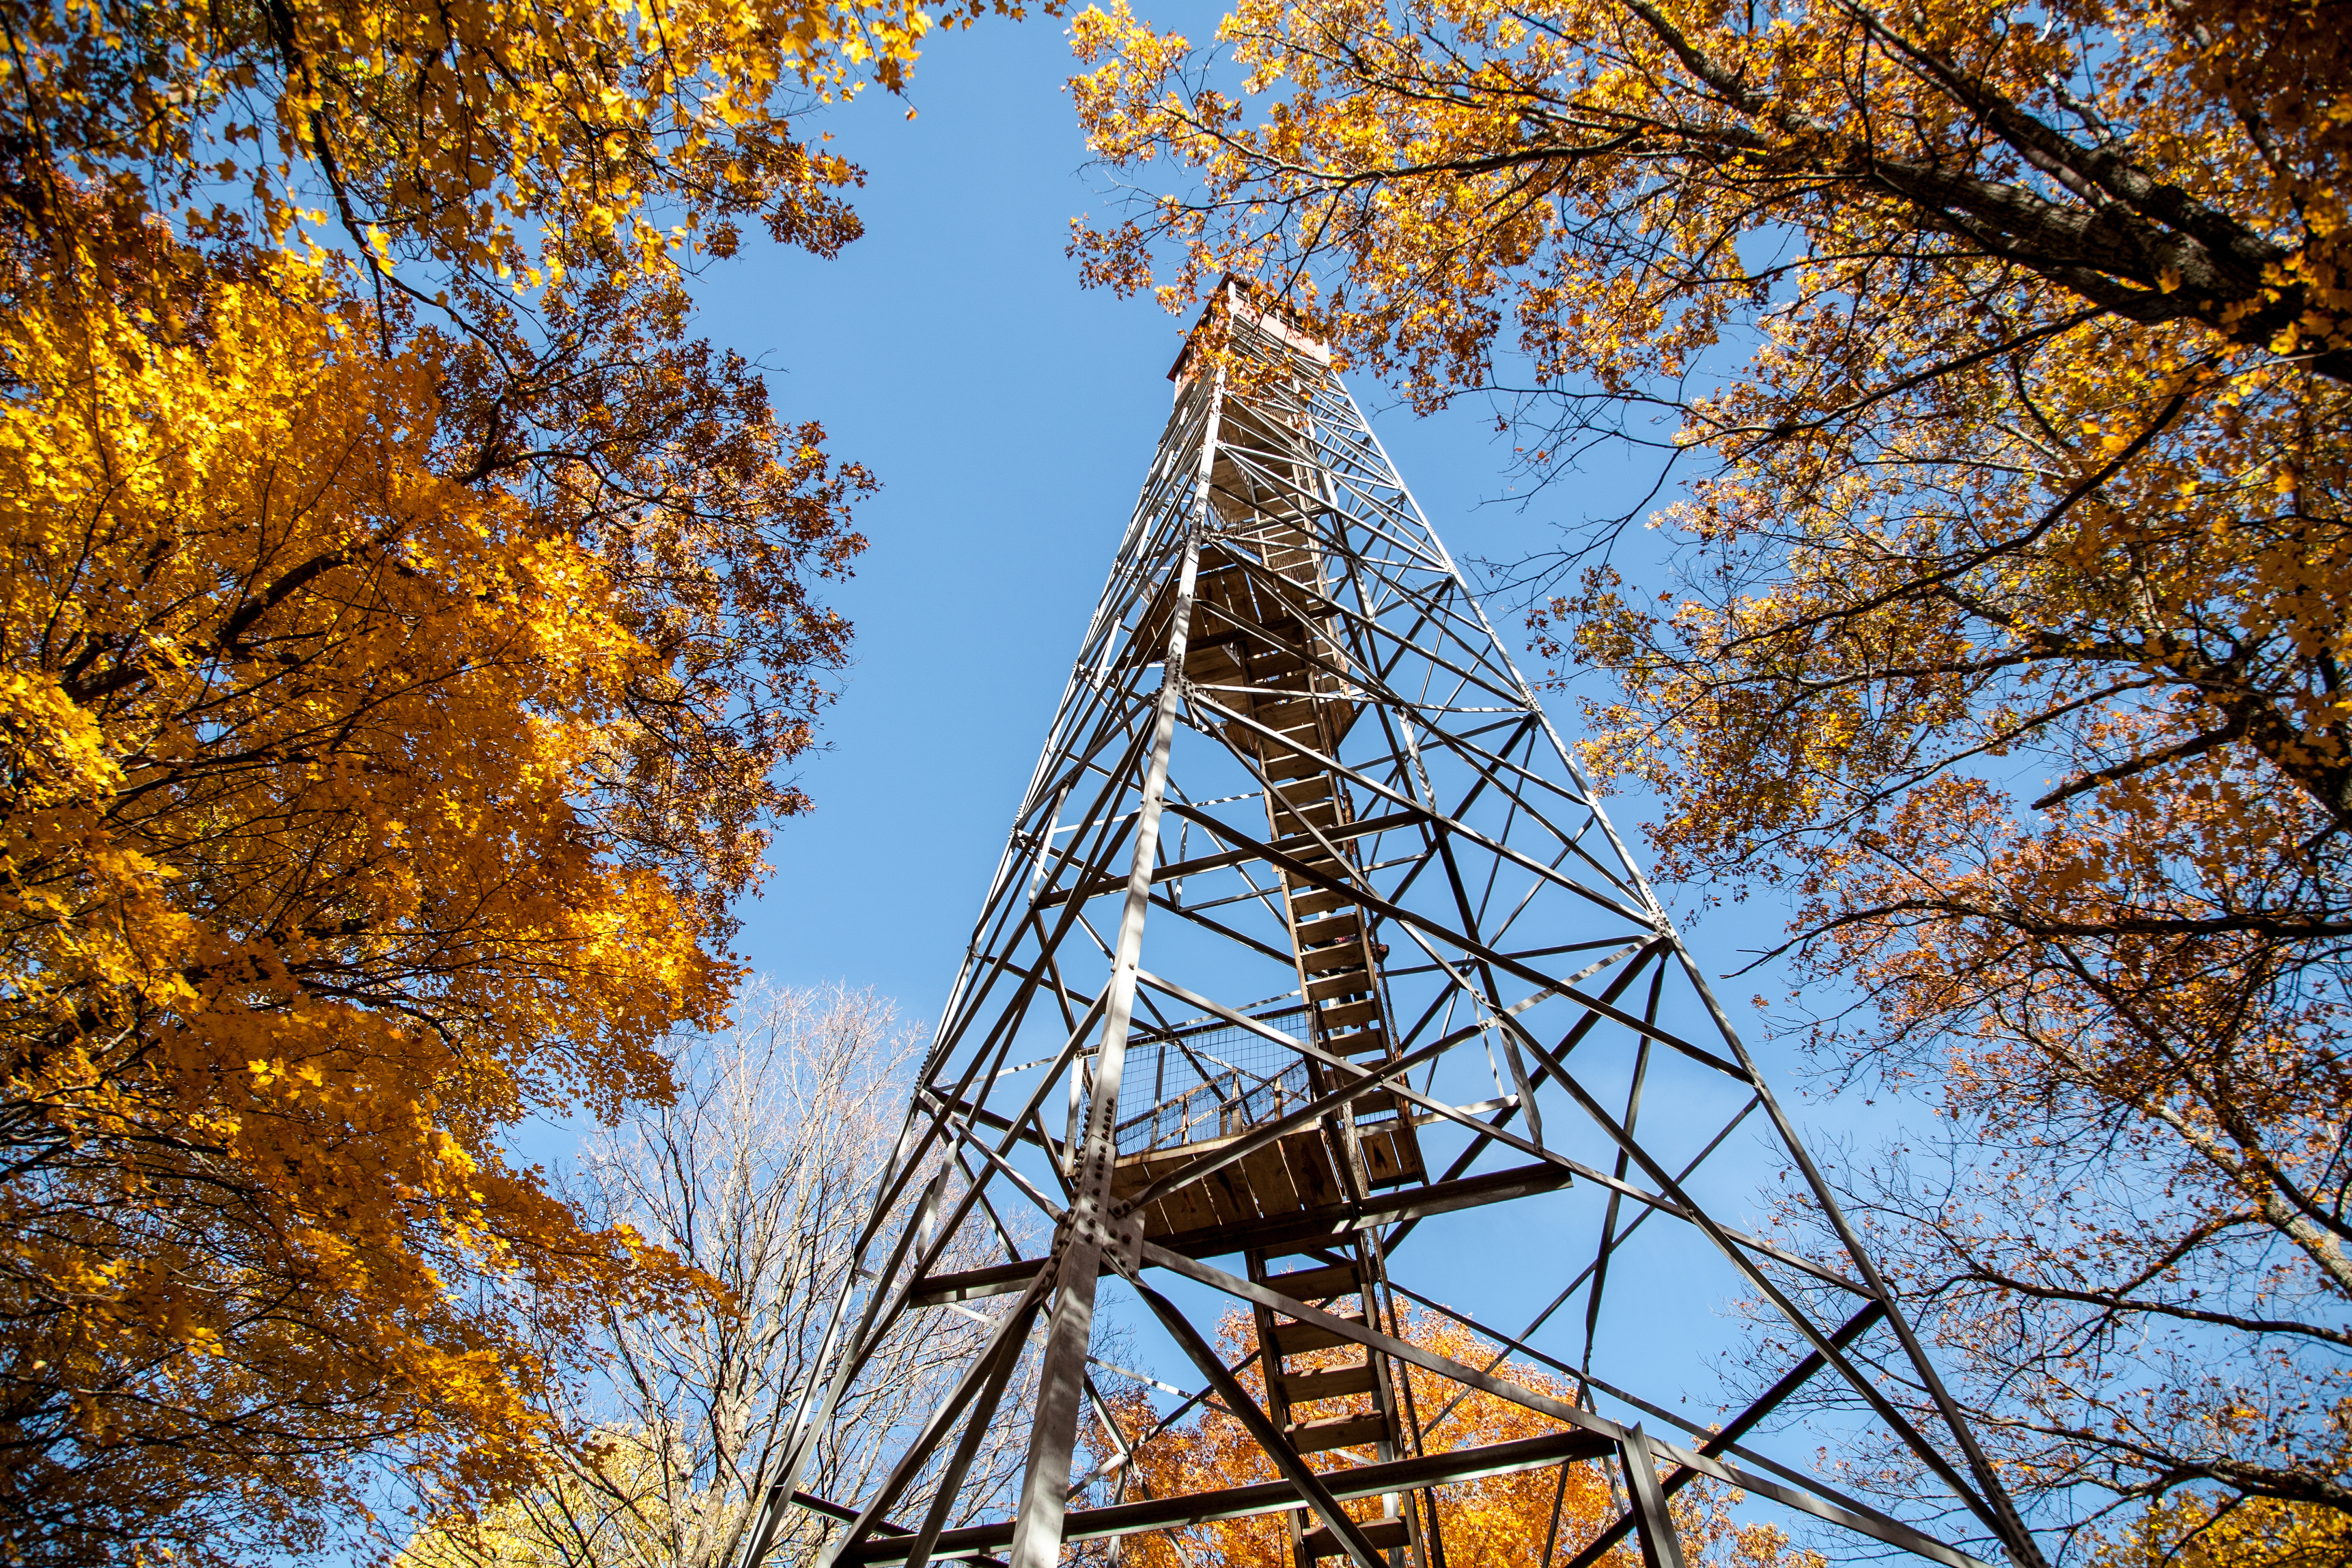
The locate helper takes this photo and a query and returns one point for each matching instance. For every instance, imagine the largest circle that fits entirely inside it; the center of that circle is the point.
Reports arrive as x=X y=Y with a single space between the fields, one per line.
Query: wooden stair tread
x=1336 y=1432
x=1339 y=1383
x=1307 y=900
x=1356 y=981
x=1317 y=1284
x=1285 y=763
x=1347 y=926
x=1296 y=1339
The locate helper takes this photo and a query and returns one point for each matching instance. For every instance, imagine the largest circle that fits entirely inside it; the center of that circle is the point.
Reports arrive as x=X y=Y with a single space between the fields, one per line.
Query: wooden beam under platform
x=1268 y=1497
x=1334 y=1223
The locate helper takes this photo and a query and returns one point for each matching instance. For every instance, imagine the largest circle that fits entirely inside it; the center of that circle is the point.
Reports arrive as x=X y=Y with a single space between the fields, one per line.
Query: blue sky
x=1009 y=416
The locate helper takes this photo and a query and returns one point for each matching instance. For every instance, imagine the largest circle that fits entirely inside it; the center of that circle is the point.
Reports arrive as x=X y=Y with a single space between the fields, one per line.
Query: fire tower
x=1310 y=947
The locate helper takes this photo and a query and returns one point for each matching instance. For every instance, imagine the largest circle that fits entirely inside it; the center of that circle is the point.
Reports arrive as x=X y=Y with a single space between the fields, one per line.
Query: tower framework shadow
x=1402 y=969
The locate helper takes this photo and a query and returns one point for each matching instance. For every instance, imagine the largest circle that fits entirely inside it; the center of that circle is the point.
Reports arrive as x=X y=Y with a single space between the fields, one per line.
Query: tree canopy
x=407 y=623
x=2003 y=350
x=531 y=182
x=325 y=863
x=2197 y=1532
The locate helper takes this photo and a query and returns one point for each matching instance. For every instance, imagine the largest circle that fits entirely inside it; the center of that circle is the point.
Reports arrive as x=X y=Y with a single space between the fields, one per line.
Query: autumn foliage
x=1495 y=1522
x=2006 y=351
x=489 y=161
x=333 y=847
x=2197 y=1532
x=405 y=624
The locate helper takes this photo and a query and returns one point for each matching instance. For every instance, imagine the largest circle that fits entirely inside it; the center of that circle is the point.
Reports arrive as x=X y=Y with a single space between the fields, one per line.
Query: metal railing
x=1209 y=1083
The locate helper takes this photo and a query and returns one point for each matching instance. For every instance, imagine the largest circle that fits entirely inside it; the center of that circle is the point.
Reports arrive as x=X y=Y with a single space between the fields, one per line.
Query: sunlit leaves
x=512 y=138
x=338 y=837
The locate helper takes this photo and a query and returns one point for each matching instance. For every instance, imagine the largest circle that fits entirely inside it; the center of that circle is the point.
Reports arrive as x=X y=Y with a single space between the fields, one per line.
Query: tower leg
x=1045 y=1486
x=1660 y=1547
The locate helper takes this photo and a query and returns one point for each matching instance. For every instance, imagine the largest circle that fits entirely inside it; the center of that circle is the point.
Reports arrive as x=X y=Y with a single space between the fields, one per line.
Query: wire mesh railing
x=1212 y=1082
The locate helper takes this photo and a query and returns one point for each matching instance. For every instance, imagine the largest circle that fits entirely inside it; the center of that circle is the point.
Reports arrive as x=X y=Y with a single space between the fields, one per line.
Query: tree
x=407 y=623
x=534 y=178
x=1630 y=178
x=350 y=815
x=2005 y=349
x=1495 y=1522
x=523 y=188
x=2196 y=1532
x=756 y=1174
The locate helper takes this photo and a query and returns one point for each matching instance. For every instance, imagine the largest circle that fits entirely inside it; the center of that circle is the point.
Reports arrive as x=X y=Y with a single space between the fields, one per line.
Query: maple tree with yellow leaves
x=2194 y=1532
x=1523 y=1519
x=342 y=828
x=2004 y=351
x=533 y=181
x=405 y=620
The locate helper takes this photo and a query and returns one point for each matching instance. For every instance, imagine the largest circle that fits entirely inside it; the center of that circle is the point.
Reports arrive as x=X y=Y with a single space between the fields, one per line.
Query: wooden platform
x=1291 y=1174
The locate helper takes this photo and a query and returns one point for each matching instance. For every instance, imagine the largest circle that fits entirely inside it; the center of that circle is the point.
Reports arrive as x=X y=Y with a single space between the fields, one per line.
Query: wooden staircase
x=1329 y=1394
x=1262 y=646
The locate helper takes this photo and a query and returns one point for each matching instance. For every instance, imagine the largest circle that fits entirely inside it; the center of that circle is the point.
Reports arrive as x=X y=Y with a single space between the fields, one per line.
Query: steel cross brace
x=1283 y=633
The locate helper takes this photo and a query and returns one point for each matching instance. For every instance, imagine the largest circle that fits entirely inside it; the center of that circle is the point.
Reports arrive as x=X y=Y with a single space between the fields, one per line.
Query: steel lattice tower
x=1399 y=969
